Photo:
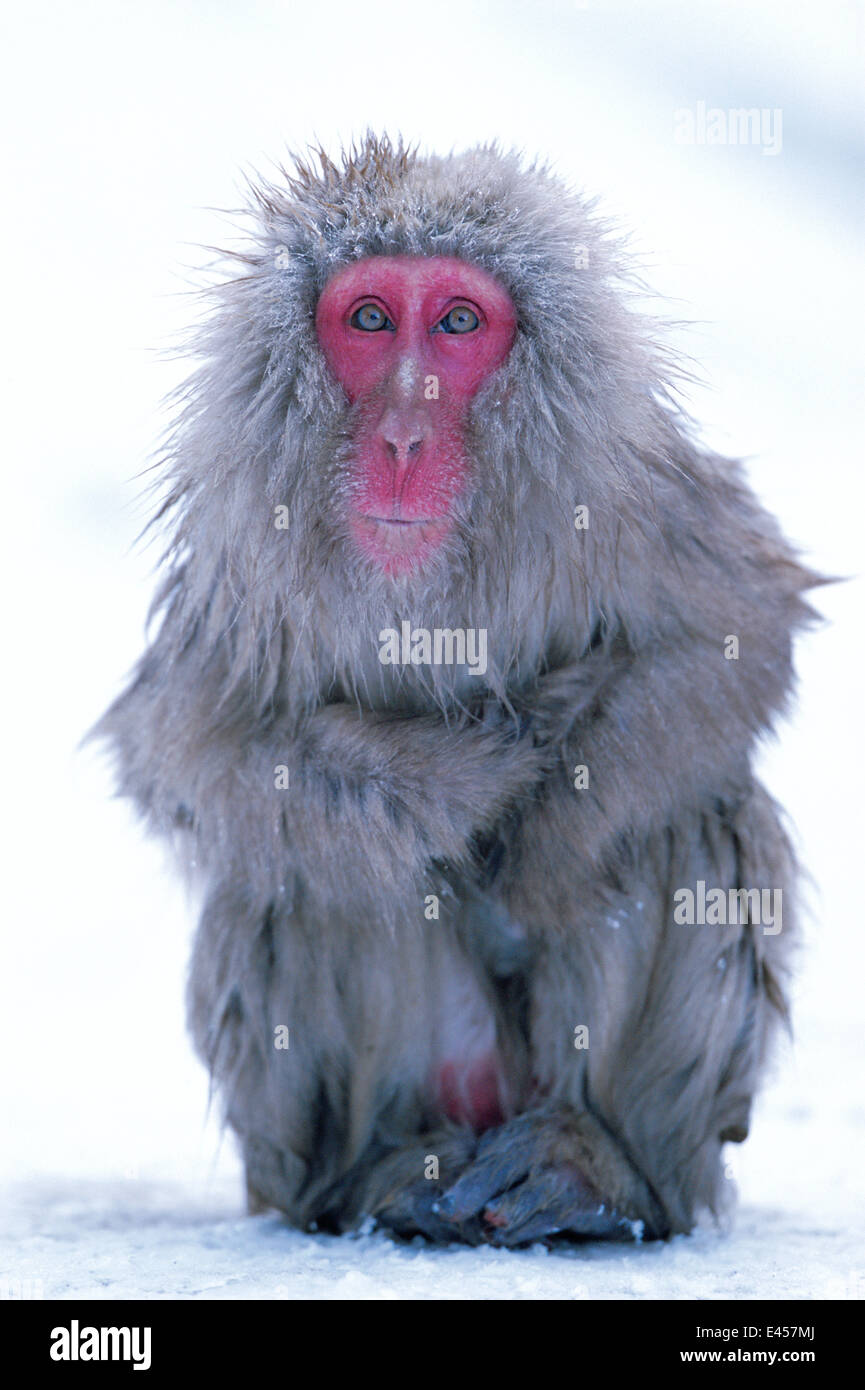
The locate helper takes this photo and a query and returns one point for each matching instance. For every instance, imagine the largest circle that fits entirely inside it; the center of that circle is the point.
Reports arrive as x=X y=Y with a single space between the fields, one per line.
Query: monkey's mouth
x=398 y=544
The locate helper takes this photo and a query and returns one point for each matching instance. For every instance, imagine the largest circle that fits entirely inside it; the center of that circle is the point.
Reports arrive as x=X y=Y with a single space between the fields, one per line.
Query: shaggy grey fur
x=606 y=648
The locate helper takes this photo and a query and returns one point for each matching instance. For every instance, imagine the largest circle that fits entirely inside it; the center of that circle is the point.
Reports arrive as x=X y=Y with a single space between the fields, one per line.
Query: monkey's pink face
x=411 y=339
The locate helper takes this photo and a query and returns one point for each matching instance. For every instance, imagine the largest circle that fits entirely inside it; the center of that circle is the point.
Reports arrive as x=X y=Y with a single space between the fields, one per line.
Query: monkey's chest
x=468 y=1080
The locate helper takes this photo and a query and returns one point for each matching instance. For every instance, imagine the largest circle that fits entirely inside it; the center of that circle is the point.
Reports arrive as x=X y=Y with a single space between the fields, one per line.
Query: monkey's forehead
x=417 y=277
x=486 y=207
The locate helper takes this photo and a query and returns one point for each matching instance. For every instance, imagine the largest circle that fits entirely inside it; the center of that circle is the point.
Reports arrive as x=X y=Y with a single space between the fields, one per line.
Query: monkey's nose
x=402 y=449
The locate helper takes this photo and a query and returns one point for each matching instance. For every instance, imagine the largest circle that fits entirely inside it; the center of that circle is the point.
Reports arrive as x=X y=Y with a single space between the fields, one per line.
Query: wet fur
x=605 y=648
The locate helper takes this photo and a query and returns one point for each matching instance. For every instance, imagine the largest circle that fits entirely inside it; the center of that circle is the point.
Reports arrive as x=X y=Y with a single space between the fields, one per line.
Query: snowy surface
x=131 y=123
x=800 y=1236
x=166 y=1241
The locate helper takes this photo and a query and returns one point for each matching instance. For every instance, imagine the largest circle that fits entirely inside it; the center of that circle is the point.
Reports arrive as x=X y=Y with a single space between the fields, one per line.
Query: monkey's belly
x=468 y=1079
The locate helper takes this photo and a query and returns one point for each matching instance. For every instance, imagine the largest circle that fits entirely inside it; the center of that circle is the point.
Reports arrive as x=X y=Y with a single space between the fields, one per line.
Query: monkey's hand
x=548 y=1172
x=570 y=694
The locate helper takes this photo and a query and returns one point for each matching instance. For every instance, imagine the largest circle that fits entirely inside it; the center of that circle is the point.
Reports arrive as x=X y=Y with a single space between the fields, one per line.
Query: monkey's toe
x=412 y=1212
x=553 y=1202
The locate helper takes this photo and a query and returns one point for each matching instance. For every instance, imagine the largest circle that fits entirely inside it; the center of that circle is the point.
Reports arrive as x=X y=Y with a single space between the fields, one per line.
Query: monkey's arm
x=694 y=665
x=349 y=803
x=670 y=728
x=374 y=799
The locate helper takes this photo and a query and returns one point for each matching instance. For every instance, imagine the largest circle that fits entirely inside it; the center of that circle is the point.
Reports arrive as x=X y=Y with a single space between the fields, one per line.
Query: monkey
x=441 y=977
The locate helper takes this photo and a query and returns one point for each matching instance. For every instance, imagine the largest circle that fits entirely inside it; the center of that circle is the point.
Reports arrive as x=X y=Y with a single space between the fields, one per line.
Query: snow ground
x=166 y=1241
x=113 y=1183
x=174 y=1238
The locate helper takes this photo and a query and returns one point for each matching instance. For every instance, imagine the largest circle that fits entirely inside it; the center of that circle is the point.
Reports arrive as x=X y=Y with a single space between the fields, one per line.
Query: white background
x=127 y=124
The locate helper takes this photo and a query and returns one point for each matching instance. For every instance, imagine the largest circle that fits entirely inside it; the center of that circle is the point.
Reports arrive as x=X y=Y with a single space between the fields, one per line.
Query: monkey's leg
x=677 y=1018
x=325 y=1050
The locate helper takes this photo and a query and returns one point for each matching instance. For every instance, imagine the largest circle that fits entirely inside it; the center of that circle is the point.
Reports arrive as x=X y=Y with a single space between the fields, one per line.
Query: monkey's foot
x=527 y=1182
x=412 y=1211
x=400 y=1189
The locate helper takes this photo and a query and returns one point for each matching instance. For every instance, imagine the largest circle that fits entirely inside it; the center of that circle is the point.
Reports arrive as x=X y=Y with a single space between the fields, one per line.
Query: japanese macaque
x=465 y=648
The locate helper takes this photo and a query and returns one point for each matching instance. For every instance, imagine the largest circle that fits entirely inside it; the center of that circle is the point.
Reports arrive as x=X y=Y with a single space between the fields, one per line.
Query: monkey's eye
x=371 y=318
x=461 y=319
